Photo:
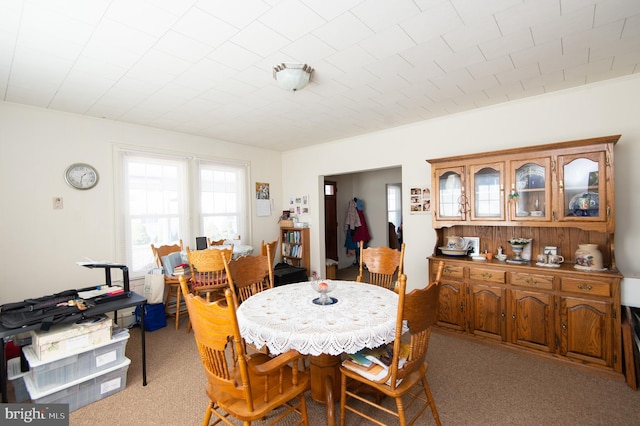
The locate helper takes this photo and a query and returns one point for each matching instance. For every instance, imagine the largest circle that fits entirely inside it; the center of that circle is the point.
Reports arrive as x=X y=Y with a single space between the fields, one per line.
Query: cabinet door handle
x=531 y=281
x=486 y=275
x=586 y=287
x=461 y=307
x=448 y=270
x=502 y=315
x=564 y=326
x=560 y=185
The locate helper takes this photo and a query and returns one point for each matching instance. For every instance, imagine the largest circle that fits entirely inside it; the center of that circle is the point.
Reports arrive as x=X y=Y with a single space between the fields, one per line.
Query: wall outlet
x=57 y=203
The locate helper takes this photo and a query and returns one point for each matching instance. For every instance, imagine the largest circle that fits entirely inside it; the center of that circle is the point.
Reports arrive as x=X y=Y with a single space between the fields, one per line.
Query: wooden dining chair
x=247 y=387
x=216 y=242
x=208 y=273
x=273 y=246
x=249 y=275
x=382 y=264
x=172 y=302
x=406 y=377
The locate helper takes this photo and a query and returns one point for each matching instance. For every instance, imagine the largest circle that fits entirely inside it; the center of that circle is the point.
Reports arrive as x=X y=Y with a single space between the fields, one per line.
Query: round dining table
x=239 y=250
x=286 y=317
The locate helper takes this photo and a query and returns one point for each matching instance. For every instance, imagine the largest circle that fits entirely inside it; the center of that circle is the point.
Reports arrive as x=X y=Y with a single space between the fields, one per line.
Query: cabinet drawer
x=453 y=272
x=583 y=286
x=544 y=282
x=488 y=275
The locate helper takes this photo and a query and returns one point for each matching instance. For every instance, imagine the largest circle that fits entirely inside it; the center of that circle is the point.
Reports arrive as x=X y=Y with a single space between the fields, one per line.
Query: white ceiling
x=204 y=67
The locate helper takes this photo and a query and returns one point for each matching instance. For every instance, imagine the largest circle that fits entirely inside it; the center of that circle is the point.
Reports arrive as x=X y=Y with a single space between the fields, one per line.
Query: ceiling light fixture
x=292 y=76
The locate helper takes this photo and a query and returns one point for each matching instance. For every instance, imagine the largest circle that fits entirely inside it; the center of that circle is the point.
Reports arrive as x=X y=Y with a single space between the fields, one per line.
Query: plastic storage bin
x=85 y=391
x=17 y=380
x=59 y=371
x=65 y=339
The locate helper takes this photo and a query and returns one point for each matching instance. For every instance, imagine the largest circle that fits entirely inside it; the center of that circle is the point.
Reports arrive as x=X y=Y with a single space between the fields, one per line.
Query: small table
x=285 y=318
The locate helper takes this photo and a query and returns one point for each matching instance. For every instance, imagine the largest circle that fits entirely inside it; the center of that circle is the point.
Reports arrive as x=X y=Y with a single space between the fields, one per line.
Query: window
x=222 y=200
x=394 y=204
x=160 y=204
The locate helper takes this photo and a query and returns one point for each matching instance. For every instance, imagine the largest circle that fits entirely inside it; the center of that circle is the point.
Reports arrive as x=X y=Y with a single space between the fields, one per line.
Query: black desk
x=102 y=308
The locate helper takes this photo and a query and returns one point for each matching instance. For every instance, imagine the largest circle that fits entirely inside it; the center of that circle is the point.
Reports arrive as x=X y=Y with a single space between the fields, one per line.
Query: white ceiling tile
x=519 y=74
x=205 y=28
x=233 y=56
x=260 y=39
x=432 y=23
x=204 y=75
x=391 y=67
x=567 y=24
x=292 y=19
x=237 y=13
x=387 y=42
x=142 y=16
x=381 y=14
x=330 y=9
x=492 y=67
x=114 y=35
x=456 y=60
x=342 y=32
x=183 y=47
x=478 y=84
x=536 y=53
x=613 y=10
x=308 y=49
x=90 y=12
x=513 y=42
x=472 y=10
x=527 y=14
x=477 y=32
x=351 y=58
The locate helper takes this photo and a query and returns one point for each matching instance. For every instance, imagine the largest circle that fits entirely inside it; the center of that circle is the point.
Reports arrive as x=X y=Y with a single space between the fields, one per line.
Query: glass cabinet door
x=581 y=191
x=530 y=194
x=450 y=194
x=487 y=191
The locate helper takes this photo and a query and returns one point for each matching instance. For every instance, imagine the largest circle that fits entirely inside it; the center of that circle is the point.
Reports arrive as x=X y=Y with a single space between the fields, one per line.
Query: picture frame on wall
x=420 y=201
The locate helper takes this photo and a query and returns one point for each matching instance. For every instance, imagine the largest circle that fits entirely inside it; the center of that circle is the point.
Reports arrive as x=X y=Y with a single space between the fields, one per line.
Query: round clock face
x=81 y=176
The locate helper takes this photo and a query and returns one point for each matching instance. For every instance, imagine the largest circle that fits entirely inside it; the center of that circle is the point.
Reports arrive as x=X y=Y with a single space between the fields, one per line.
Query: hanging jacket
x=352 y=221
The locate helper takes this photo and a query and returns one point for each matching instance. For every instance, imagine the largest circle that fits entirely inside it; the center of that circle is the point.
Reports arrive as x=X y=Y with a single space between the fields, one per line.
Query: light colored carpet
x=473 y=384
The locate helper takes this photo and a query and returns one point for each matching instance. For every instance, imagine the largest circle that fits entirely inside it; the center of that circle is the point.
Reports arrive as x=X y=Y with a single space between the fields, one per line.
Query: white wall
x=40 y=246
x=599 y=109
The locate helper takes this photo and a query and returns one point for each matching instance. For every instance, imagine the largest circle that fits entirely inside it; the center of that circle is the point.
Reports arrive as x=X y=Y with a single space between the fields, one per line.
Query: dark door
x=330 y=220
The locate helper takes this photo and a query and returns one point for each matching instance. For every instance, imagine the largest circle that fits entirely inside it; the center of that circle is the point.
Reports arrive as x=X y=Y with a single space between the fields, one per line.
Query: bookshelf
x=295 y=247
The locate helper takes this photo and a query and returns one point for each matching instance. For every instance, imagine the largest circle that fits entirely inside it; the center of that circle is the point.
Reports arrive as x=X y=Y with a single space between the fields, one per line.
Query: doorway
x=369 y=186
x=330 y=220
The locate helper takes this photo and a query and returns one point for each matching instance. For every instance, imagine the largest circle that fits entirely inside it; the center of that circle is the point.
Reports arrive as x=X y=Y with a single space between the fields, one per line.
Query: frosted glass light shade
x=292 y=76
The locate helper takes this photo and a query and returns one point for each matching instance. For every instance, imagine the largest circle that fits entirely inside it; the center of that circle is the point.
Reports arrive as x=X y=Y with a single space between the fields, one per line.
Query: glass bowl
x=323 y=287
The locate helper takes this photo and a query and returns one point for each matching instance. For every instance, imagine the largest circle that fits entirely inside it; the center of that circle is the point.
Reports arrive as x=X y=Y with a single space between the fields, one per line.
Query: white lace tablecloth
x=285 y=318
x=239 y=250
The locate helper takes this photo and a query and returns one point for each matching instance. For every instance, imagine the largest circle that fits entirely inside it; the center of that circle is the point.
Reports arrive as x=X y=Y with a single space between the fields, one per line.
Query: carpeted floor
x=473 y=384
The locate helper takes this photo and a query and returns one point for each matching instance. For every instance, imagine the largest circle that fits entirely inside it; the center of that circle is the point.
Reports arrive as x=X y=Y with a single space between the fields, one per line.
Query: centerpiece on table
x=517 y=245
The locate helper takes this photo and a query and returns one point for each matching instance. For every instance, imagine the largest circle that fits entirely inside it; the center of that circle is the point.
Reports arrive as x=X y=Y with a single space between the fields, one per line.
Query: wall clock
x=81 y=176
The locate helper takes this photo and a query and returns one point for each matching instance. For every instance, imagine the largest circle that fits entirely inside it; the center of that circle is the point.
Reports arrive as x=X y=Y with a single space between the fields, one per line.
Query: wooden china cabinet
x=560 y=195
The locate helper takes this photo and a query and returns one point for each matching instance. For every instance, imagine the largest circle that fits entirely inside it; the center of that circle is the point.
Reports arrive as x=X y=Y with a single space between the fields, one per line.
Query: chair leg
x=177 y=308
x=432 y=402
x=207 y=414
x=343 y=398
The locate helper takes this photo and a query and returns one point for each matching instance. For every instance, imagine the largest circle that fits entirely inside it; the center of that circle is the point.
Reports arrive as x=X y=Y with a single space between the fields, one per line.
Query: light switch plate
x=57 y=203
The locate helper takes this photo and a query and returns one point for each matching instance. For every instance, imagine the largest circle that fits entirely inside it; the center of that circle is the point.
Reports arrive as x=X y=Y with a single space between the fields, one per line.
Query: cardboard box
x=66 y=338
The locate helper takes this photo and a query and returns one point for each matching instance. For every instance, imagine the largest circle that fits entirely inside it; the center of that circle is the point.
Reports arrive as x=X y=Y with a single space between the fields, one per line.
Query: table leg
x=325 y=382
